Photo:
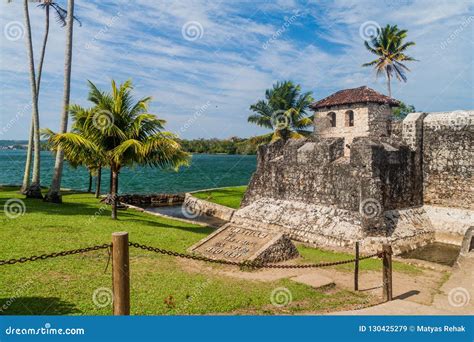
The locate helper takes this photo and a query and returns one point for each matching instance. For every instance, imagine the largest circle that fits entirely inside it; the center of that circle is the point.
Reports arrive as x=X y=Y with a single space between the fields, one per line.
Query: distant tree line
x=232 y=145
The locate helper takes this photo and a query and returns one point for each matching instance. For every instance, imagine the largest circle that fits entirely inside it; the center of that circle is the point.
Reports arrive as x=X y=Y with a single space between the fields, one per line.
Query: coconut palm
x=122 y=133
x=79 y=156
x=390 y=46
x=61 y=18
x=54 y=194
x=284 y=111
x=33 y=190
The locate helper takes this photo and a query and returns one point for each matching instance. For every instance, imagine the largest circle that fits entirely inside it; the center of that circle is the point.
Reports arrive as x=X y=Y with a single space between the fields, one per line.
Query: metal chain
x=54 y=255
x=251 y=264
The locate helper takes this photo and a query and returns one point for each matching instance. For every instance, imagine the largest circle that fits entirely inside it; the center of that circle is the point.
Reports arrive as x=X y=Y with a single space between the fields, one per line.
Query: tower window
x=332 y=119
x=349 y=118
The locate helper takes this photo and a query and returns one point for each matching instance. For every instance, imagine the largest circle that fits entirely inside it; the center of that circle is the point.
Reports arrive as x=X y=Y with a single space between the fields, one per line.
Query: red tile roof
x=356 y=95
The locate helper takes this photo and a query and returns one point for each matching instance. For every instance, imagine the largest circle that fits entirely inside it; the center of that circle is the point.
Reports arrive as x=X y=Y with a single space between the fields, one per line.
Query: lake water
x=206 y=171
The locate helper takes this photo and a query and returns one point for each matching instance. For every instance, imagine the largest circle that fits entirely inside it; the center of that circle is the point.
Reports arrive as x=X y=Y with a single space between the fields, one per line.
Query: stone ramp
x=239 y=243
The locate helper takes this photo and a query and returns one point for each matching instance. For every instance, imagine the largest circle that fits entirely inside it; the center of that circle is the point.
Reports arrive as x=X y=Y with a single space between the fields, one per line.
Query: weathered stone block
x=237 y=243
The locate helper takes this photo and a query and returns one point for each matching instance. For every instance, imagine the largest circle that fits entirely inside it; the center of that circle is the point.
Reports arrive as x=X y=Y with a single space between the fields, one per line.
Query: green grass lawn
x=159 y=285
x=310 y=255
x=230 y=197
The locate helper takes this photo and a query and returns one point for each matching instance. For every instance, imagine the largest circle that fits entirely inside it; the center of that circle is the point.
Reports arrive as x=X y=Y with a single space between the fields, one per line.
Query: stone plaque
x=236 y=243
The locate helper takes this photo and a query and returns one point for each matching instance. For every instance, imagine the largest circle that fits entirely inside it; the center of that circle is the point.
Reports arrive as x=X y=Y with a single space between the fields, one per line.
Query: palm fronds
x=284 y=110
x=389 y=46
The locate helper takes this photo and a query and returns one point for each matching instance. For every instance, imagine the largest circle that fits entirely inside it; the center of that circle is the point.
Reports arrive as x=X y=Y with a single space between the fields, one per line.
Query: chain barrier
x=54 y=255
x=250 y=264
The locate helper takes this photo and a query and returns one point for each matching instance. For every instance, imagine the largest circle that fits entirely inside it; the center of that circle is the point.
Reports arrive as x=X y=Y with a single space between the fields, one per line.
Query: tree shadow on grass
x=36 y=306
x=160 y=224
x=66 y=208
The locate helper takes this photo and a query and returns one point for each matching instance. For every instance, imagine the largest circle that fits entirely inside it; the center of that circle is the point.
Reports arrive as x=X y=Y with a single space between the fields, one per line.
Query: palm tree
x=61 y=18
x=284 y=111
x=79 y=156
x=122 y=133
x=390 y=47
x=33 y=190
x=54 y=194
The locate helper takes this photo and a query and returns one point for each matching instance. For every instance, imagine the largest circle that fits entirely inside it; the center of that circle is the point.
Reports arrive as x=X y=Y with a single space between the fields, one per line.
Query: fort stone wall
x=397 y=182
x=448 y=159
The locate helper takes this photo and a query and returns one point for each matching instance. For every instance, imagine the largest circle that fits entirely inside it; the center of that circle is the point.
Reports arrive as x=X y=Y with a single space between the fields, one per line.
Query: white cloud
x=321 y=50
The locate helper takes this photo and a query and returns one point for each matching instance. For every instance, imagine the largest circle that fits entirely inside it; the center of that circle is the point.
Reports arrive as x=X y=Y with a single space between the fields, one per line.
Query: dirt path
x=419 y=288
x=455 y=297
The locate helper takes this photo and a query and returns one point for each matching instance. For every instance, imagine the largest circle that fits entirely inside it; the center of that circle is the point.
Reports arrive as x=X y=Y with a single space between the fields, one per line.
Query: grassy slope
x=230 y=197
x=65 y=285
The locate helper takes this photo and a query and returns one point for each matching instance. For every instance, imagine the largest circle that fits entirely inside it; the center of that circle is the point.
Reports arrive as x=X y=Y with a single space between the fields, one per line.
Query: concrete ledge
x=131 y=206
x=197 y=205
x=455 y=221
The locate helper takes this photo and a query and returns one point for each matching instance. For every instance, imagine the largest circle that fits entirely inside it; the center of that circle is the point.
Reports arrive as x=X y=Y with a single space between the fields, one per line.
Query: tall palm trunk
x=388 y=84
x=54 y=194
x=89 y=188
x=26 y=175
x=43 y=50
x=111 y=179
x=98 y=181
x=29 y=154
x=34 y=190
x=114 y=191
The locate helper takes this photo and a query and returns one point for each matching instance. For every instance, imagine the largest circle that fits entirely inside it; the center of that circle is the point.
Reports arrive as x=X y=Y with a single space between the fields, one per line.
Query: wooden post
x=120 y=273
x=356 y=267
x=387 y=272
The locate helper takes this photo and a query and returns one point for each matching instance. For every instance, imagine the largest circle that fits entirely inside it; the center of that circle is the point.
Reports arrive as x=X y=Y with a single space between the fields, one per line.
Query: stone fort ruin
x=365 y=177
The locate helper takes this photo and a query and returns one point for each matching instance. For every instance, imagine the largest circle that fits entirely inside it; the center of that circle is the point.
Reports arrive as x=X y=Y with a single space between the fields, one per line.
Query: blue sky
x=205 y=62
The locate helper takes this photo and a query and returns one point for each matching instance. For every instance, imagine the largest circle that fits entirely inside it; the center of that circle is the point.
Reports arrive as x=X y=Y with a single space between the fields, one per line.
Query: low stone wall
x=327 y=226
x=153 y=200
x=450 y=224
x=197 y=205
